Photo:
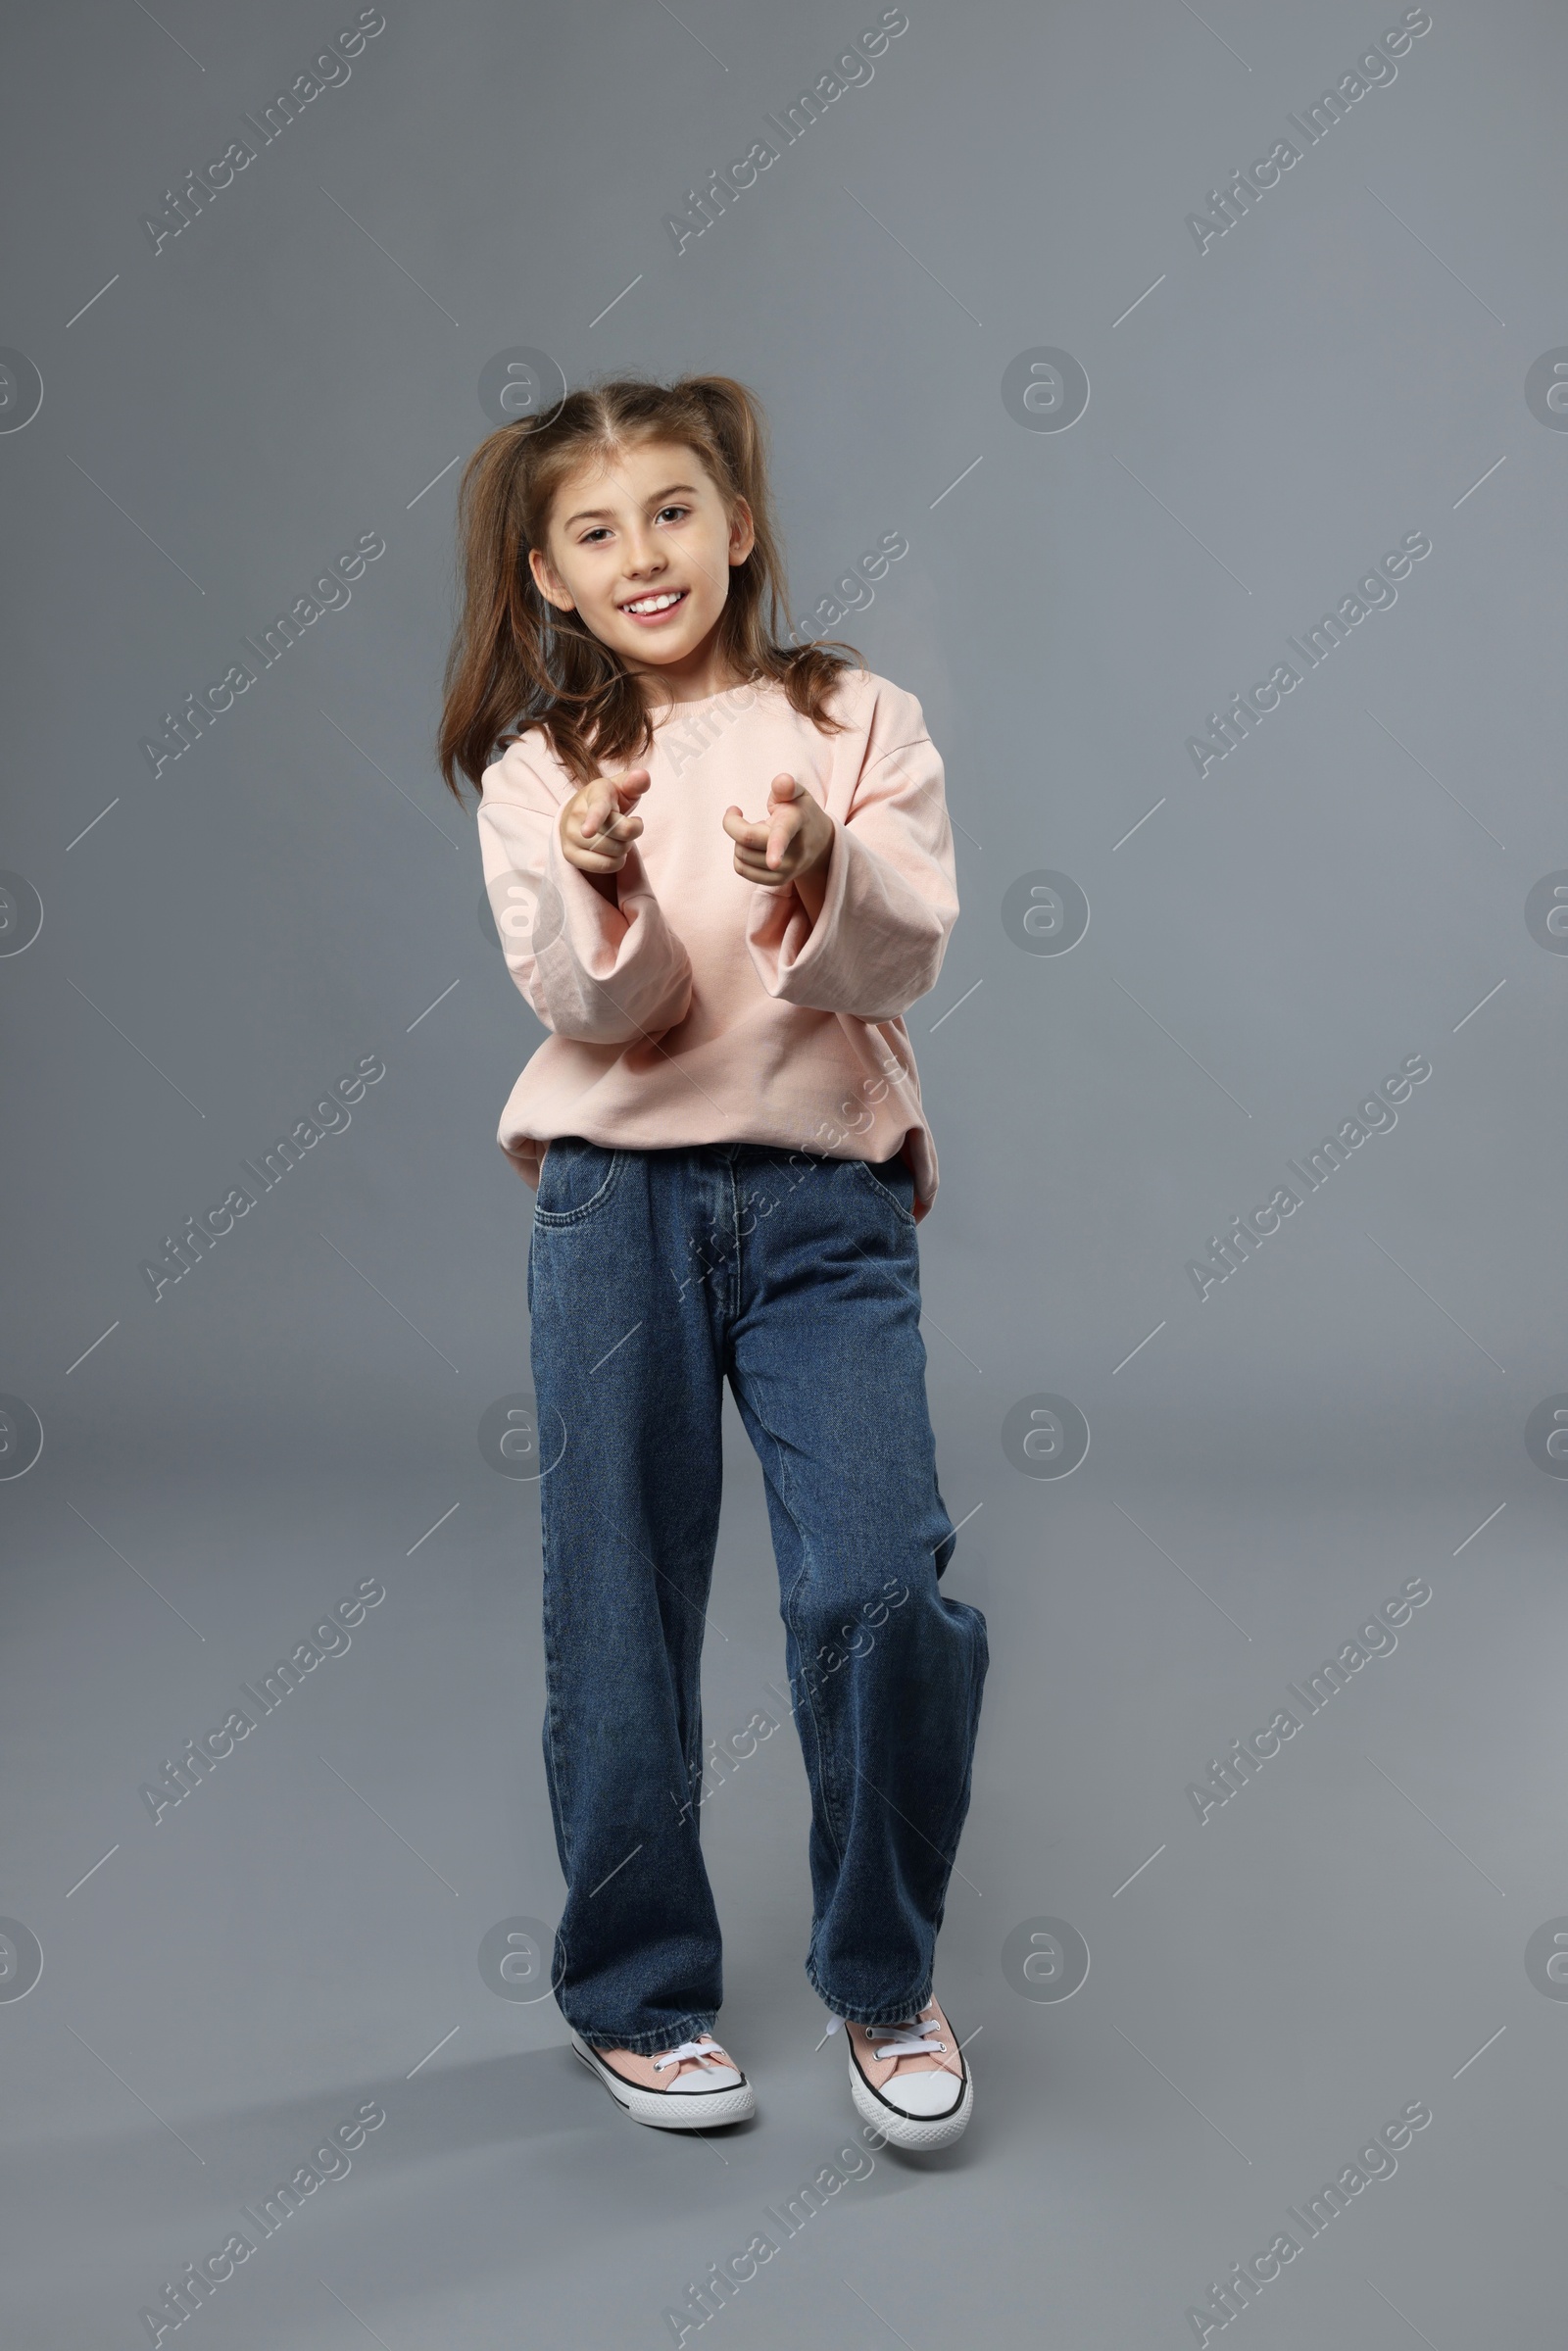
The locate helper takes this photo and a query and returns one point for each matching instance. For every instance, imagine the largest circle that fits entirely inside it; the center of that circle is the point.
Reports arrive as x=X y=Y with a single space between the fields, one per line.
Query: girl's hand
x=596 y=826
x=794 y=842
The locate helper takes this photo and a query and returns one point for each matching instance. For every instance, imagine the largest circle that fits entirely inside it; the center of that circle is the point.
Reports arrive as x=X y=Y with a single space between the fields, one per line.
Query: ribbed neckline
x=700 y=702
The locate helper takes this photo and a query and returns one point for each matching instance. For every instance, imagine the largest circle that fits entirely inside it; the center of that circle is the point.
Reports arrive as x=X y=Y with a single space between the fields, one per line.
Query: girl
x=724 y=1136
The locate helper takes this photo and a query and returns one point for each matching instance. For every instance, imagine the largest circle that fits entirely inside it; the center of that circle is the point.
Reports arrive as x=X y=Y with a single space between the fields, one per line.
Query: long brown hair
x=516 y=660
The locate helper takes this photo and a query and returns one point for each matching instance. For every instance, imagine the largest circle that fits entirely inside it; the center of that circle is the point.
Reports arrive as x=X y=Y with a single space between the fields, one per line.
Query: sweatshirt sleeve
x=600 y=973
x=892 y=891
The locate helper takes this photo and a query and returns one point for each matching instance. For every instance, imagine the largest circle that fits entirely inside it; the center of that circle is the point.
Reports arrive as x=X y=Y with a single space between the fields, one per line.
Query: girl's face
x=642 y=548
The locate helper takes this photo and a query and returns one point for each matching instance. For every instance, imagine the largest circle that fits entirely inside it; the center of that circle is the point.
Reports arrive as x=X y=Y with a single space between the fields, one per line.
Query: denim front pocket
x=575 y=1179
x=897 y=1188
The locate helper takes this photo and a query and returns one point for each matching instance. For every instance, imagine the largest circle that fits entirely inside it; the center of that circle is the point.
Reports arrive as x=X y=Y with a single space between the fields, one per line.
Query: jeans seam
x=556 y=1745
x=825 y=1771
x=830 y=1808
x=886 y=2014
x=668 y=2036
x=952 y=1827
x=732 y=1301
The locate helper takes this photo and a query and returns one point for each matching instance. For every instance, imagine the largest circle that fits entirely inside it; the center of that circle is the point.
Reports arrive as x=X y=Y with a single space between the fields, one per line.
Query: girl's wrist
x=811 y=886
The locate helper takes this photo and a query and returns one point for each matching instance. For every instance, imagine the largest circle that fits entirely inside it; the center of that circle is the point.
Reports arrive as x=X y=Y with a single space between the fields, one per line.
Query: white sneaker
x=691 y=2087
x=910 y=2079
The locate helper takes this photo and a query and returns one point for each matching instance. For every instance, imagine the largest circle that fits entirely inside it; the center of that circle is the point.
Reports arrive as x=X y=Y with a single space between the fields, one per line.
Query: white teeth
x=655 y=604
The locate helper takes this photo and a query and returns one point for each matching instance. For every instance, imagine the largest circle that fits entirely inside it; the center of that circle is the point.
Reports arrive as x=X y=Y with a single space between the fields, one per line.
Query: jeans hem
x=649 y=2044
x=856 y=2013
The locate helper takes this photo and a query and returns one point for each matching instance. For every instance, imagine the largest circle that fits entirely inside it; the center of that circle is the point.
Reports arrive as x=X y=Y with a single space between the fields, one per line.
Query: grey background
x=1347 y=364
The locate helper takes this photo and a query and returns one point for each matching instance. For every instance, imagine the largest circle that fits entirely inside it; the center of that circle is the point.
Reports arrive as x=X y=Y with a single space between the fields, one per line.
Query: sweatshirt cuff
x=789 y=949
x=613 y=969
x=593 y=925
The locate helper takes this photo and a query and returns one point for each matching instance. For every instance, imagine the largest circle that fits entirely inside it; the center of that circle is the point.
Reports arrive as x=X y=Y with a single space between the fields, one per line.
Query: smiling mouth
x=655 y=607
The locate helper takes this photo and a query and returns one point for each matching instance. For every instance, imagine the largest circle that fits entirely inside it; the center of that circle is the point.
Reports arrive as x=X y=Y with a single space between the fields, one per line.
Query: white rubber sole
x=668 y=2109
x=921 y=2133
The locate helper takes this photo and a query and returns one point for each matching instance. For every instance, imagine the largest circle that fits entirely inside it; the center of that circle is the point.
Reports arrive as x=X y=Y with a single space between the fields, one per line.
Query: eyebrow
x=603 y=514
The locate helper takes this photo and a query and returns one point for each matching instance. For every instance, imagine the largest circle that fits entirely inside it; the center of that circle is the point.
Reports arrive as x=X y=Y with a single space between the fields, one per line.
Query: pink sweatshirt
x=707 y=1010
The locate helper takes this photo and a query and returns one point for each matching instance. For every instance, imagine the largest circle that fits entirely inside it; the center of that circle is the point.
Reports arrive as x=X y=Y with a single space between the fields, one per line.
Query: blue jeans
x=654 y=1275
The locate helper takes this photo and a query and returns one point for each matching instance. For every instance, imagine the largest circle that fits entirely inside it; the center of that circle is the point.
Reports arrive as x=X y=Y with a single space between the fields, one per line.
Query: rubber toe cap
x=924 y=2094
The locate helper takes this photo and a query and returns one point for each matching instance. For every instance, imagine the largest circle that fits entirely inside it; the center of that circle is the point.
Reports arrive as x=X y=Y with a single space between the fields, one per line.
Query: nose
x=642 y=551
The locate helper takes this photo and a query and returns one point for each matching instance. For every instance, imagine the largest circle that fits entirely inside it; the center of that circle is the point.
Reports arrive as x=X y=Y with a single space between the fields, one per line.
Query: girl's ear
x=742 y=532
x=544 y=580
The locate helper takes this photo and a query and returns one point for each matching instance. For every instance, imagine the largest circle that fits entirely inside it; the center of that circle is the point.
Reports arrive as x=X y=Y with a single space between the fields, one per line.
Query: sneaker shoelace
x=704 y=2052
x=911 y=2038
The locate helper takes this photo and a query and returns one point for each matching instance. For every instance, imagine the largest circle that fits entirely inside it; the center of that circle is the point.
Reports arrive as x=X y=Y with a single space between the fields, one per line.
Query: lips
x=664 y=611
